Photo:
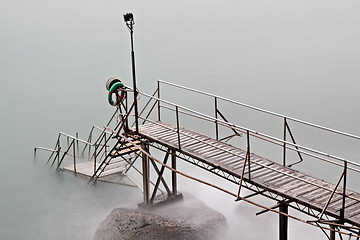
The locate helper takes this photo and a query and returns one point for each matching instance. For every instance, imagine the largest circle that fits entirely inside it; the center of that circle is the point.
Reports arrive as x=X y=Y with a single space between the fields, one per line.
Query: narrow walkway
x=268 y=175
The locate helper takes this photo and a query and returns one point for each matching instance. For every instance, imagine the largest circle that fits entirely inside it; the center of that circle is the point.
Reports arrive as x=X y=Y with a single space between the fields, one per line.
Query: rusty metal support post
x=158 y=96
x=216 y=122
x=283 y=221
x=146 y=174
x=332 y=232
x=173 y=174
x=177 y=125
x=284 y=144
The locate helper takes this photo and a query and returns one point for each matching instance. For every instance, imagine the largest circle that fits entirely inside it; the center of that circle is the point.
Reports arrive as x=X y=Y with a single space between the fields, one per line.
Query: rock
x=188 y=219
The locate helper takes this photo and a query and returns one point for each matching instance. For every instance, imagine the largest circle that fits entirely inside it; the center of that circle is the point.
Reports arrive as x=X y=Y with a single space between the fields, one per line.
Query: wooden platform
x=87 y=168
x=268 y=175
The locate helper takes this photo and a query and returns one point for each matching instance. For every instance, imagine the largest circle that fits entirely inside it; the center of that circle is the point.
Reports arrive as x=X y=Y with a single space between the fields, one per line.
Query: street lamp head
x=128 y=17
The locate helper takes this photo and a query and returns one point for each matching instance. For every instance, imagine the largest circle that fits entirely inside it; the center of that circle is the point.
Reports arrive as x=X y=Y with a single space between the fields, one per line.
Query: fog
x=300 y=58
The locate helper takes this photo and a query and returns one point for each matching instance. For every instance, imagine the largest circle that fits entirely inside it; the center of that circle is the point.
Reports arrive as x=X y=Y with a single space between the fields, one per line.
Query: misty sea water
x=299 y=58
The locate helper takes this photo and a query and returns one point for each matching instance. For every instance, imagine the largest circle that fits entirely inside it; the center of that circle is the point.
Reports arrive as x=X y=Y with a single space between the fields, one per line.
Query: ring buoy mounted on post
x=113 y=85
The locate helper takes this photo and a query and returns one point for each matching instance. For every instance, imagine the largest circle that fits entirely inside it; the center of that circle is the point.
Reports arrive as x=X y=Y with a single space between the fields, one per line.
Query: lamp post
x=129 y=20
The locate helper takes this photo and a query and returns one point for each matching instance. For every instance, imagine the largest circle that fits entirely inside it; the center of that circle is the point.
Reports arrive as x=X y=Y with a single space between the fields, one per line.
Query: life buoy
x=112 y=90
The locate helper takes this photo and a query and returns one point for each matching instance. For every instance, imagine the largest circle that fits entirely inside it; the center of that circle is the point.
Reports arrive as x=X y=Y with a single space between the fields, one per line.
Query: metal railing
x=97 y=149
x=220 y=120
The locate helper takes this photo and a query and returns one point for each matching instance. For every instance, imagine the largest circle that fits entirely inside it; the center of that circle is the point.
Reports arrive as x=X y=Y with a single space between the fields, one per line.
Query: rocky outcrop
x=187 y=219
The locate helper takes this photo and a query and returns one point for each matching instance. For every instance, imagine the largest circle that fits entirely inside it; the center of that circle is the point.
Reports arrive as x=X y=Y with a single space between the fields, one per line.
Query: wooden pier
x=331 y=206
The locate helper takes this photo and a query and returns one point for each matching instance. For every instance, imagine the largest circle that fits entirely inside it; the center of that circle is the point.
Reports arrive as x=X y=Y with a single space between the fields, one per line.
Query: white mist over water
x=300 y=58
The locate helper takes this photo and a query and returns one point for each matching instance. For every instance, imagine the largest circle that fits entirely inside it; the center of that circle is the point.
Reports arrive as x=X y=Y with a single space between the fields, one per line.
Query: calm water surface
x=300 y=58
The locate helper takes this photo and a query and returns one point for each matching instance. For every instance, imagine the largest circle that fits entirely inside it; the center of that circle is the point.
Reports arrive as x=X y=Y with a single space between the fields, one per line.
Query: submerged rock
x=187 y=219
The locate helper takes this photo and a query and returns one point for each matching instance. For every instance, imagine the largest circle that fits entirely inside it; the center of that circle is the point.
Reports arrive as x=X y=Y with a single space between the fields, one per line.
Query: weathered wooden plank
x=208 y=149
x=165 y=134
x=254 y=168
x=218 y=155
x=226 y=149
x=268 y=177
x=265 y=170
x=228 y=156
x=149 y=128
x=152 y=127
x=282 y=182
x=338 y=205
x=306 y=190
x=261 y=174
x=190 y=143
x=194 y=135
x=172 y=139
x=352 y=207
x=271 y=180
x=154 y=130
x=203 y=146
x=324 y=193
x=288 y=186
x=314 y=194
x=295 y=191
x=355 y=212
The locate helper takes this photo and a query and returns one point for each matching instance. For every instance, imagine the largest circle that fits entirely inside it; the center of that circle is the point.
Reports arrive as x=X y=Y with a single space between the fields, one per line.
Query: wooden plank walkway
x=87 y=168
x=268 y=175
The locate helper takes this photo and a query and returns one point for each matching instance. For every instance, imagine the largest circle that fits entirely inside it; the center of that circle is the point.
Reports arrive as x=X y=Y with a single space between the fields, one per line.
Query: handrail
x=231 y=125
x=77 y=139
x=279 y=144
x=263 y=110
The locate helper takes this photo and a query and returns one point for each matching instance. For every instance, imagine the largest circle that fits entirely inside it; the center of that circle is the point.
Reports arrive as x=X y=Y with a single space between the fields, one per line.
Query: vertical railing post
x=284 y=144
x=216 y=122
x=90 y=141
x=77 y=141
x=248 y=151
x=158 y=96
x=73 y=143
x=95 y=159
x=342 y=210
x=177 y=125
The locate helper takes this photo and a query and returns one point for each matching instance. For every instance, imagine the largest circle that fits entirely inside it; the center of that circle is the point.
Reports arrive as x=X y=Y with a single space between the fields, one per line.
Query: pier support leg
x=146 y=174
x=332 y=232
x=283 y=221
x=173 y=174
